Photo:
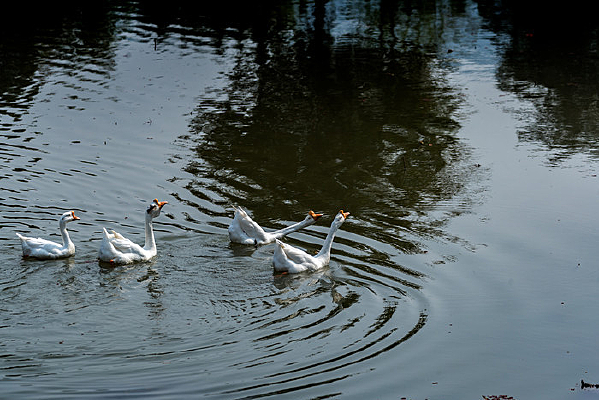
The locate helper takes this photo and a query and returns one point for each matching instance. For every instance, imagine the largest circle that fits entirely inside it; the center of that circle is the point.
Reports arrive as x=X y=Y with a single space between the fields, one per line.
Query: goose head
x=312 y=217
x=68 y=217
x=154 y=209
x=340 y=218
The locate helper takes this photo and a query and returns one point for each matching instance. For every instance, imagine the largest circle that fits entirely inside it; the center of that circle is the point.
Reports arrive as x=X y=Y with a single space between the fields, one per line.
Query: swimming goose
x=46 y=250
x=244 y=230
x=117 y=249
x=292 y=260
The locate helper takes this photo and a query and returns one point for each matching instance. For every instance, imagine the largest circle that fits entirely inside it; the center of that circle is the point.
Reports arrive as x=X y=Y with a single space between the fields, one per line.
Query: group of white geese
x=117 y=249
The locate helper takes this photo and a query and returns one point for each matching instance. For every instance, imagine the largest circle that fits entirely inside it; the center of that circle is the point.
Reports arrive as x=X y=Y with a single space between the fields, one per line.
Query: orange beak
x=345 y=214
x=74 y=217
x=314 y=215
x=160 y=203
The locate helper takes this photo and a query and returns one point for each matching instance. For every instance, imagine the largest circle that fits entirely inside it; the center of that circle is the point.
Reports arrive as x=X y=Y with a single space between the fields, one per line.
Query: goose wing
x=292 y=255
x=243 y=229
x=114 y=244
x=248 y=225
x=41 y=248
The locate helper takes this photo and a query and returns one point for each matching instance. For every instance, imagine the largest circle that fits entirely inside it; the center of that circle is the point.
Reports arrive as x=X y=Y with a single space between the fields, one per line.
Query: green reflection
x=331 y=108
x=549 y=59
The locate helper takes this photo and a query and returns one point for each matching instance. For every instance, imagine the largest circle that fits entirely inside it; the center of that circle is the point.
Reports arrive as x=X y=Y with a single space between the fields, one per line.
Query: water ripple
x=102 y=129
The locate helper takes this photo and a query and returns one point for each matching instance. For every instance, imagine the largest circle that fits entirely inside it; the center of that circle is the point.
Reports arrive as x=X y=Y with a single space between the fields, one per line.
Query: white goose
x=292 y=260
x=46 y=250
x=244 y=230
x=117 y=249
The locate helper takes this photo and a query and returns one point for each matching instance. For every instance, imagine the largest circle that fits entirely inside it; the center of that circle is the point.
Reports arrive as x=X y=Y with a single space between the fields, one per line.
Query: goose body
x=293 y=260
x=117 y=249
x=47 y=250
x=244 y=230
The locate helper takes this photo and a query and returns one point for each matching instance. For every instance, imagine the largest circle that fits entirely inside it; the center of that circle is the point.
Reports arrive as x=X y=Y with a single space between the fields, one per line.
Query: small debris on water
x=585 y=385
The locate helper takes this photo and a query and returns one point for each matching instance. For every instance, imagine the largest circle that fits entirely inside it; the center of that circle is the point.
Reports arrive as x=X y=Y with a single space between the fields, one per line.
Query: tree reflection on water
x=333 y=106
x=549 y=58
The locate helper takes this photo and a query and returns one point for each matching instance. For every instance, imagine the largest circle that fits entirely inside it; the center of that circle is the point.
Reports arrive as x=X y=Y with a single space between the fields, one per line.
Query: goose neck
x=150 y=242
x=66 y=239
x=291 y=228
x=328 y=243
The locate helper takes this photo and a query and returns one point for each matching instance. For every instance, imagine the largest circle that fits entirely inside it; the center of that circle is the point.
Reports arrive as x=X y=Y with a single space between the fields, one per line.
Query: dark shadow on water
x=549 y=58
x=320 y=116
x=33 y=37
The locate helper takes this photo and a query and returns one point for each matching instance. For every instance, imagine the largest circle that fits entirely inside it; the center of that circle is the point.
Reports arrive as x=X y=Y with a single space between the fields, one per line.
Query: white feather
x=117 y=249
x=45 y=249
x=289 y=259
x=244 y=230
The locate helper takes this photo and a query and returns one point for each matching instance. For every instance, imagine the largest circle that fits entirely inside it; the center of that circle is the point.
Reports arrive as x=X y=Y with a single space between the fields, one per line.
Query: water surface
x=467 y=161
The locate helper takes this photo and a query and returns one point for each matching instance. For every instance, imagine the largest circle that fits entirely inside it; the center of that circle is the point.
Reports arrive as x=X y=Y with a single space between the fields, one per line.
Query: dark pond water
x=462 y=136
